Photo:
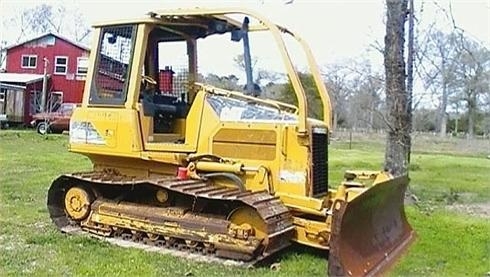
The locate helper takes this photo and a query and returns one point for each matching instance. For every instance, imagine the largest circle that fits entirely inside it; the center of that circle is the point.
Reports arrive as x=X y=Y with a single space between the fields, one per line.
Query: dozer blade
x=371 y=231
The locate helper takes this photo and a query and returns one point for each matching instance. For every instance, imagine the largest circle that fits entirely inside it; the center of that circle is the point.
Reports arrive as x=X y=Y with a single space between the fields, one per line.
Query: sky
x=336 y=30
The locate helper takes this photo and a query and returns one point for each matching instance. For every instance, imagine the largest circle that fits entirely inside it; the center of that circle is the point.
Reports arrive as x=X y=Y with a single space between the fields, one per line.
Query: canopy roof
x=196 y=23
x=23 y=78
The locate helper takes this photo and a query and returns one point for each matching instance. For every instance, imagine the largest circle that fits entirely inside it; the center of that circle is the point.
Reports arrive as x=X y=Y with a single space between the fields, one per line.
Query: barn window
x=29 y=61
x=82 y=65
x=112 y=66
x=60 y=65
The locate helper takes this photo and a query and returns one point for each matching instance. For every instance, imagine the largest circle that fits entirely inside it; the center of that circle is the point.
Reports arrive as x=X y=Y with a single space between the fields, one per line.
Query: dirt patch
x=478 y=210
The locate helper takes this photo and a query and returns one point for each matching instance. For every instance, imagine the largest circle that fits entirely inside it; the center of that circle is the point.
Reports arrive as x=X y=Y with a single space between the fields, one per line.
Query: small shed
x=20 y=96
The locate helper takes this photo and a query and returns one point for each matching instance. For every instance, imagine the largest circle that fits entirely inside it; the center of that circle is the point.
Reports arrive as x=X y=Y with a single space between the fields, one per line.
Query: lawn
x=449 y=243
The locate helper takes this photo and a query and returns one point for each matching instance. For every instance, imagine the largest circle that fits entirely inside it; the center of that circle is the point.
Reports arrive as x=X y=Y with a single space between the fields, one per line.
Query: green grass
x=448 y=244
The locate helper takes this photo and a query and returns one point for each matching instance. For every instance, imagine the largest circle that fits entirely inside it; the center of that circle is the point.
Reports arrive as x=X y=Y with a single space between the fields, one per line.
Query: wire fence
x=421 y=142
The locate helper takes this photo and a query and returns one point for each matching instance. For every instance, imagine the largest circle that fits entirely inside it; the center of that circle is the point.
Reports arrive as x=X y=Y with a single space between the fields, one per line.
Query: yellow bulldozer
x=193 y=167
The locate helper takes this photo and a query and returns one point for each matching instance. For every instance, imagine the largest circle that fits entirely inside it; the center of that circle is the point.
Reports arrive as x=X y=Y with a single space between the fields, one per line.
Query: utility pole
x=45 y=85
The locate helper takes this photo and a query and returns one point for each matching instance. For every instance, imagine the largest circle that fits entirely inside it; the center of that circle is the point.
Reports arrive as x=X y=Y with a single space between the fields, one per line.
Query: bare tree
x=43 y=18
x=397 y=102
x=356 y=90
x=336 y=79
x=3 y=53
x=466 y=78
x=438 y=72
x=366 y=97
x=472 y=76
x=58 y=19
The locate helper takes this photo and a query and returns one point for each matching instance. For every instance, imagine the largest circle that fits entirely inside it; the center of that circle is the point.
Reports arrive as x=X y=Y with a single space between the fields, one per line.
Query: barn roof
x=25 y=78
x=76 y=44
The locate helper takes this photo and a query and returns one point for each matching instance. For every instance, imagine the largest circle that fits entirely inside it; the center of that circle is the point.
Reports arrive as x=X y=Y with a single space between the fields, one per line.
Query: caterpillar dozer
x=193 y=167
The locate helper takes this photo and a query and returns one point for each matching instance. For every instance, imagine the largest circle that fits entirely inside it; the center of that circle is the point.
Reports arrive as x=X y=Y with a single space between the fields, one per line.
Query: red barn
x=65 y=63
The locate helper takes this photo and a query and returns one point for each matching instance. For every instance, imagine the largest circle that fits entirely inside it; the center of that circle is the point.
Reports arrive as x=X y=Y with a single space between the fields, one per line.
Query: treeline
x=451 y=93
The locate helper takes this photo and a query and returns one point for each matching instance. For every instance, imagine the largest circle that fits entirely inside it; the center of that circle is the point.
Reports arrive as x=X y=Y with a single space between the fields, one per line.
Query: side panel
x=253 y=145
x=105 y=131
x=293 y=169
x=243 y=143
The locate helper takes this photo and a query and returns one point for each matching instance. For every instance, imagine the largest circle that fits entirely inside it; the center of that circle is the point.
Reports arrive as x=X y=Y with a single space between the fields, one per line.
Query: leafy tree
x=313 y=97
x=229 y=82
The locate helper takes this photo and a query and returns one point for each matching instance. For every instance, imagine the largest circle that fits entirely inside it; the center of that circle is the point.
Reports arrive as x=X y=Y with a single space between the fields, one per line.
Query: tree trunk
x=442 y=111
x=397 y=100
x=409 y=84
x=335 y=118
x=471 y=124
x=471 y=114
x=444 y=96
x=443 y=127
x=371 y=116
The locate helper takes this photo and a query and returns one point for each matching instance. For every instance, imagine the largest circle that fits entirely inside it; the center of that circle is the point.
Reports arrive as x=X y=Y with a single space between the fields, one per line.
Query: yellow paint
x=77 y=203
x=162 y=195
x=102 y=216
x=247 y=216
x=312 y=233
x=302 y=203
x=272 y=156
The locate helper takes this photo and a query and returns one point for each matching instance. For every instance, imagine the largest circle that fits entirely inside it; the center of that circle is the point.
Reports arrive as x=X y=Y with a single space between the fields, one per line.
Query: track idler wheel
x=77 y=202
x=249 y=223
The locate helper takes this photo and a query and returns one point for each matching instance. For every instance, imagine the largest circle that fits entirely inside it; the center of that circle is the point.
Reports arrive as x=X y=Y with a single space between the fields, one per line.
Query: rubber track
x=277 y=217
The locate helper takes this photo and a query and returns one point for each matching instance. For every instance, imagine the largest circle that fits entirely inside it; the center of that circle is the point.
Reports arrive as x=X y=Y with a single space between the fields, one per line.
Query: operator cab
x=150 y=66
x=163 y=49
x=169 y=73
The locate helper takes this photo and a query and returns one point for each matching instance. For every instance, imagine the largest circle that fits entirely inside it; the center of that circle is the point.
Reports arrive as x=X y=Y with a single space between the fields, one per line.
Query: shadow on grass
x=291 y=252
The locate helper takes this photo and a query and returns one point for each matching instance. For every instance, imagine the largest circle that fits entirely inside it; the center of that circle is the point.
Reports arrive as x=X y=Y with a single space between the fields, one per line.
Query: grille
x=319 y=162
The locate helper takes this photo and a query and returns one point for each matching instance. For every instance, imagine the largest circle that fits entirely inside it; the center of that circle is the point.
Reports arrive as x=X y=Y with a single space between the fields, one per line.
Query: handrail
x=275 y=104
